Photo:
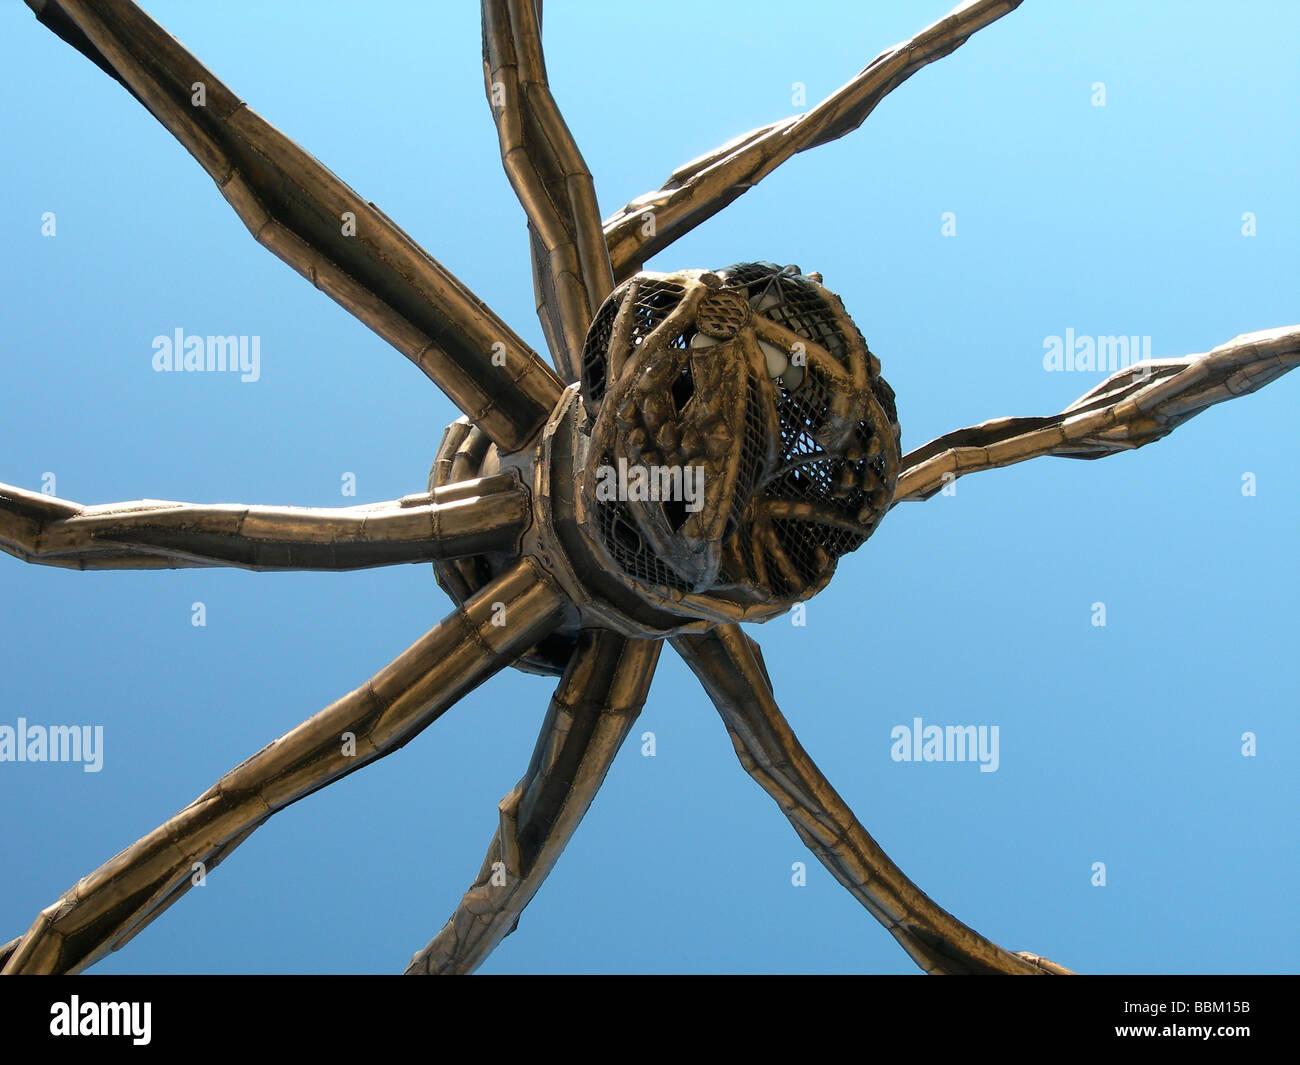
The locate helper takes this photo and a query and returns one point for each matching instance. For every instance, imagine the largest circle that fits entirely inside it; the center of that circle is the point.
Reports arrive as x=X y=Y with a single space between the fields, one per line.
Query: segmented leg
x=703 y=187
x=571 y=271
x=730 y=666
x=593 y=709
x=104 y=910
x=340 y=242
x=1128 y=410
x=471 y=518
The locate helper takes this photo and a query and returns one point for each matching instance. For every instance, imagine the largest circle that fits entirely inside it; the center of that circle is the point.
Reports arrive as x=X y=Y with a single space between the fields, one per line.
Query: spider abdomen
x=752 y=387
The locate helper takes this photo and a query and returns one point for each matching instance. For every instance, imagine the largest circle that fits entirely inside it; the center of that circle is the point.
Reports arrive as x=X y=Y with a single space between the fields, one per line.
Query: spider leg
x=297 y=208
x=701 y=188
x=471 y=518
x=571 y=271
x=1130 y=409
x=104 y=910
x=730 y=666
x=593 y=709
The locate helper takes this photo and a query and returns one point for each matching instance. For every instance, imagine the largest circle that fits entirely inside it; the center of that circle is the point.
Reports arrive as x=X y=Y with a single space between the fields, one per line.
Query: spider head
x=741 y=437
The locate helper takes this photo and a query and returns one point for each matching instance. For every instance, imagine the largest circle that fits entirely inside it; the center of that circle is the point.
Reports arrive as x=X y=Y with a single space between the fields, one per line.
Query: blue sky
x=1118 y=744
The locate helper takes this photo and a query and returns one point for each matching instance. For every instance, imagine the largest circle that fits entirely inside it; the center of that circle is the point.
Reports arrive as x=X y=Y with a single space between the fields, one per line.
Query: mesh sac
x=847 y=487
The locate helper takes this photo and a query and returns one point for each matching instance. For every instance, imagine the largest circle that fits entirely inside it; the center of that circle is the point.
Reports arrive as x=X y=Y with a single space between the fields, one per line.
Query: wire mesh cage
x=805 y=492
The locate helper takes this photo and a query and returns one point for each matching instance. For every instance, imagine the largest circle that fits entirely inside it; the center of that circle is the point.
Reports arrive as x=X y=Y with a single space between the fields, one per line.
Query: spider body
x=762 y=445
x=757 y=374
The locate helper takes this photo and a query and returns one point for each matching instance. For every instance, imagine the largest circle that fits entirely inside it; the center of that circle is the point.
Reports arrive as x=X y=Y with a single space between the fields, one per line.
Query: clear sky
x=1119 y=744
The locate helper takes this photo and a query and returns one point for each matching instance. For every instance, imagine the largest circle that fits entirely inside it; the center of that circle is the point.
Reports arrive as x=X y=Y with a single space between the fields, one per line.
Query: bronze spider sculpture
x=707 y=447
